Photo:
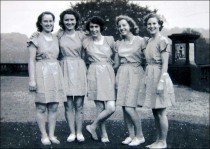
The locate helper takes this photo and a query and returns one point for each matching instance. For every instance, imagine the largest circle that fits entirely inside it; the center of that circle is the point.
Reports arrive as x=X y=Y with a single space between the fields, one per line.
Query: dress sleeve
x=143 y=43
x=82 y=35
x=164 y=45
x=60 y=33
x=33 y=40
x=116 y=46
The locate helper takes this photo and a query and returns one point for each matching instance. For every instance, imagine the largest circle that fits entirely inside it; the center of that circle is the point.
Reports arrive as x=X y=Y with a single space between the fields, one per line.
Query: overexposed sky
x=21 y=16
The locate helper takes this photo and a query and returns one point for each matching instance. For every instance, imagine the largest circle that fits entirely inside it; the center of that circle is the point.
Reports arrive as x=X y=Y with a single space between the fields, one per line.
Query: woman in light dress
x=129 y=79
x=74 y=71
x=100 y=76
x=45 y=76
x=159 y=87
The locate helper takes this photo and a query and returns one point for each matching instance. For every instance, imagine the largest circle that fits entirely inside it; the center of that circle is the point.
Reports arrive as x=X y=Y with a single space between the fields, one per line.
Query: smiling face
x=69 y=21
x=94 y=29
x=123 y=27
x=153 y=26
x=47 y=23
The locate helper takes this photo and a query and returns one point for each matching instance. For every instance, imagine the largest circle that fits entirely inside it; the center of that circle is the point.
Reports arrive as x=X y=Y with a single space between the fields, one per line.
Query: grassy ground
x=188 y=121
x=17 y=104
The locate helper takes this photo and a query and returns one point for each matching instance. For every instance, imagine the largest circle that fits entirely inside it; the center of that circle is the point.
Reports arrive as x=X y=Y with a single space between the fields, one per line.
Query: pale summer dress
x=73 y=66
x=100 y=76
x=130 y=76
x=48 y=74
x=153 y=73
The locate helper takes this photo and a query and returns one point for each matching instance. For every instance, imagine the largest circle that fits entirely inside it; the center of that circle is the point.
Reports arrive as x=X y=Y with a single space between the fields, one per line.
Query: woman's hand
x=160 y=87
x=32 y=86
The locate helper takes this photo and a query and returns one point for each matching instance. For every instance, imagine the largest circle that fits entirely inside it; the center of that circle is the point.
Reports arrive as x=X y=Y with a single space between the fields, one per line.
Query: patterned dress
x=130 y=76
x=100 y=76
x=153 y=74
x=48 y=74
x=73 y=66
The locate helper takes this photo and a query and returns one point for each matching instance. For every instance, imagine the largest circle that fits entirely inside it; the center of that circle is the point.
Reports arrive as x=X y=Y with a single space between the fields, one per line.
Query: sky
x=21 y=16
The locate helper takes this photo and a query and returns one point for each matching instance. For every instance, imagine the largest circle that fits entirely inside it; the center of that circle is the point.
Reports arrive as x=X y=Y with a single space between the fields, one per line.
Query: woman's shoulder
x=109 y=38
x=163 y=39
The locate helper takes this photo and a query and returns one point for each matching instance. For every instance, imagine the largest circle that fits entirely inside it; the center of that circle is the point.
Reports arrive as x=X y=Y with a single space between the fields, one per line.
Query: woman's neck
x=128 y=37
x=155 y=35
x=97 y=38
x=47 y=34
x=70 y=32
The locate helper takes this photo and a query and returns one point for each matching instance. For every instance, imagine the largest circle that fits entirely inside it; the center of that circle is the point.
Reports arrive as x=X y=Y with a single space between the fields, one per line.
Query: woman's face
x=123 y=27
x=94 y=29
x=153 y=26
x=47 y=23
x=69 y=21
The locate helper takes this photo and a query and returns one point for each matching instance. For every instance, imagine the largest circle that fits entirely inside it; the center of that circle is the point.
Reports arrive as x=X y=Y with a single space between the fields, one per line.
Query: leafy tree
x=108 y=10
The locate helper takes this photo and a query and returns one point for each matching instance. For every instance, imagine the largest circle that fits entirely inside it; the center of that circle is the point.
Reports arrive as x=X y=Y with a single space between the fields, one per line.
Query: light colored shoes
x=45 y=141
x=136 y=141
x=80 y=138
x=127 y=140
x=54 y=140
x=92 y=132
x=105 y=140
x=71 y=138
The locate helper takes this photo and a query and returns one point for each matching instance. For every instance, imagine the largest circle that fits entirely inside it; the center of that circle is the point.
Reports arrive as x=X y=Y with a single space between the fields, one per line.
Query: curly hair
x=39 y=20
x=134 y=29
x=153 y=15
x=72 y=12
x=95 y=20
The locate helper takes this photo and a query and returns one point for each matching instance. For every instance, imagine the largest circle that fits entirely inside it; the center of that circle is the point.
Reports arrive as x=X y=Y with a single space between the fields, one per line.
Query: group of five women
x=68 y=80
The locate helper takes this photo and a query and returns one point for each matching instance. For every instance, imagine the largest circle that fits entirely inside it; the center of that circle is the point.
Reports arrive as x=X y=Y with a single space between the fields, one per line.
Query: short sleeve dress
x=130 y=75
x=100 y=75
x=73 y=66
x=48 y=74
x=153 y=74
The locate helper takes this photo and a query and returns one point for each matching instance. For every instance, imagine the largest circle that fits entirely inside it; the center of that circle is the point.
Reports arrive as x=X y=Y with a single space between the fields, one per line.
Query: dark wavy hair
x=95 y=20
x=69 y=11
x=134 y=29
x=154 y=15
x=39 y=20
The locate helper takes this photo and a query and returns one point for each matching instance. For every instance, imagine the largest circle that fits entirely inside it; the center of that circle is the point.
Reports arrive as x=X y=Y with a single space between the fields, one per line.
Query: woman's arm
x=164 y=70
x=116 y=61
x=31 y=67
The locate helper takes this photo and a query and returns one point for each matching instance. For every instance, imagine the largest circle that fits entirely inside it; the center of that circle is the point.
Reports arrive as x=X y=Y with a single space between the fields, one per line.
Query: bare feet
x=158 y=144
x=105 y=139
x=92 y=132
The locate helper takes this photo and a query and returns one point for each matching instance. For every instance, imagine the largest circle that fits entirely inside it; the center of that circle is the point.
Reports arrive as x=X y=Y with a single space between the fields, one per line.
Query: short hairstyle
x=154 y=15
x=39 y=20
x=72 y=12
x=95 y=20
x=134 y=29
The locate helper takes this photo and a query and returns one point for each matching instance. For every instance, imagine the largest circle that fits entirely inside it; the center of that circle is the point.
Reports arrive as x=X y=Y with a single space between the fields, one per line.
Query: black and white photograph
x=111 y=74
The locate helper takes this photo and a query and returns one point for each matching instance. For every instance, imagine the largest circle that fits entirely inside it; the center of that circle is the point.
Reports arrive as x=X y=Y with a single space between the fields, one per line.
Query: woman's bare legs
x=41 y=119
x=70 y=118
x=130 y=127
x=79 y=102
x=102 y=117
x=161 y=119
x=52 y=117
